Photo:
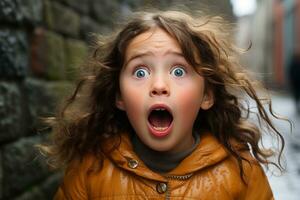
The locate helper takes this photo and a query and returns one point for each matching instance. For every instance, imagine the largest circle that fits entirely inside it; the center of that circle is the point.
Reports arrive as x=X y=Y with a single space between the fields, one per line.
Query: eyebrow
x=147 y=53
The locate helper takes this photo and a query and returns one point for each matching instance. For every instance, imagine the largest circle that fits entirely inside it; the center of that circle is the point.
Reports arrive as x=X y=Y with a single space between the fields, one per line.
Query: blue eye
x=178 y=72
x=141 y=73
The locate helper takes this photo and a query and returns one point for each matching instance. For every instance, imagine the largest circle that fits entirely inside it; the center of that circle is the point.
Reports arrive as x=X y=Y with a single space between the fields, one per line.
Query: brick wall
x=42 y=42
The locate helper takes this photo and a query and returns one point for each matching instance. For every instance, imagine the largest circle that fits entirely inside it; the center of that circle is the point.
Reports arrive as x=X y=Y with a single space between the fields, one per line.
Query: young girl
x=161 y=115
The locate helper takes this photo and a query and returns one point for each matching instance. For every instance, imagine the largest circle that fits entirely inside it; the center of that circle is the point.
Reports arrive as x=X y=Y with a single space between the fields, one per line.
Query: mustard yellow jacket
x=209 y=173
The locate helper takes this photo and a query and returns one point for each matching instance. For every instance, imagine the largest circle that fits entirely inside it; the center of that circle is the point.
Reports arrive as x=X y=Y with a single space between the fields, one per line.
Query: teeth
x=160 y=128
x=159 y=109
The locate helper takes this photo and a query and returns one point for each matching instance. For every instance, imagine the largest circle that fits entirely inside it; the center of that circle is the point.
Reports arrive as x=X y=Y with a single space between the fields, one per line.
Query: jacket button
x=133 y=163
x=161 y=188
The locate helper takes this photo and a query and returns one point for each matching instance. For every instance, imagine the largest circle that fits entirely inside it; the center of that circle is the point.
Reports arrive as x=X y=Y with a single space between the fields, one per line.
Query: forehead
x=155 y=40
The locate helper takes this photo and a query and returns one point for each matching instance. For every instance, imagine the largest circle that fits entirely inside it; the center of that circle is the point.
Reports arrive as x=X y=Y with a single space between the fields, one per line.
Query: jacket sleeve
x=73 y=185
x=258 y=186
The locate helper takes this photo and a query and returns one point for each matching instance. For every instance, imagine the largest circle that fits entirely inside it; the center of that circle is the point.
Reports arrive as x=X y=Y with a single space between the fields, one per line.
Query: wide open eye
x=178 y=72
x=141 y=73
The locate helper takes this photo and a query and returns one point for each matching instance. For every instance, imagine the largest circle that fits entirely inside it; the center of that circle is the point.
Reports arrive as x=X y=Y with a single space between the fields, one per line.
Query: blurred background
x=42 y=42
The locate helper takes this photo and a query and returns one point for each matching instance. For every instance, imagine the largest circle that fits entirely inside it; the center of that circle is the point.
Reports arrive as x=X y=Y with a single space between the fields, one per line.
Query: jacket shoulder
x=74 y=183
x=257 y=184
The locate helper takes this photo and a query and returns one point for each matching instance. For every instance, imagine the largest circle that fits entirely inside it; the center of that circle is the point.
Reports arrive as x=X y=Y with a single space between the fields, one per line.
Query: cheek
x=132 y=97
x=132 y=103
x=189 y=101
x=191 y=90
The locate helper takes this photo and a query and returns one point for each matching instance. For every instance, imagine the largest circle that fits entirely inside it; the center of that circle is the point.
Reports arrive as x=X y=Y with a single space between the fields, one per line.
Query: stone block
x=82 y=6
x=13 y=54
x=51 y=185
x=31 y=10
x=33 y=193
x=88 y=27
x=42 y=191
x=1 y=177
x=22 y=106
x=20 y=11
x=11 y=118
x=40 y=102
x=42 y=99
x=76 y=53
x=135 y=4
x=48 y=17
x=105 y=11
x=47 y=55
x=61 y=18
x=23 y=167
x=9 y=11
x=59 y=90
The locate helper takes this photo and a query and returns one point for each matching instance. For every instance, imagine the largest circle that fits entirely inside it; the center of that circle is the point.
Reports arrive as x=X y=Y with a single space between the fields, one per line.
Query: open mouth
x=160 y=119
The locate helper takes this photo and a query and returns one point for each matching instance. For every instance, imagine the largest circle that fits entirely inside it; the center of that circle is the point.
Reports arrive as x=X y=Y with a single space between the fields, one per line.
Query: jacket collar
x=209 y=152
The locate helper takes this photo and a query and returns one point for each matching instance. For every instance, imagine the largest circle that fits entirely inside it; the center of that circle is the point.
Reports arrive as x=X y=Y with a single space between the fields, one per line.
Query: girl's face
x=160 y=92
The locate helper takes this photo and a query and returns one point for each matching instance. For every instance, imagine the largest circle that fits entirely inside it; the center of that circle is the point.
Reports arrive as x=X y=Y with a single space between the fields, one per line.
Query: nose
x=159 y=87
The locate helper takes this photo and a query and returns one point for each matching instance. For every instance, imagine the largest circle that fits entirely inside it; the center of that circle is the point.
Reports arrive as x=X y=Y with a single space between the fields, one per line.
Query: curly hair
x=90 y=115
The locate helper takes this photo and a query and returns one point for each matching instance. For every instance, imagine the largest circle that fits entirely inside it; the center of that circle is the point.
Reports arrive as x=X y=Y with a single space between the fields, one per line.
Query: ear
x=208 y=100
x=120 y=102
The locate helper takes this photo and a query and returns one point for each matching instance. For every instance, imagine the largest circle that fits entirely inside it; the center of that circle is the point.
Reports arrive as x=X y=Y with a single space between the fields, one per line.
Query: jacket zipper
x=176 y=177
x=168 y=193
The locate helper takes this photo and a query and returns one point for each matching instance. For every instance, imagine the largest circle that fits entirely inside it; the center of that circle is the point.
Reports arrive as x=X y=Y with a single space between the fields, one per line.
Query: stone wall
x=41 y=44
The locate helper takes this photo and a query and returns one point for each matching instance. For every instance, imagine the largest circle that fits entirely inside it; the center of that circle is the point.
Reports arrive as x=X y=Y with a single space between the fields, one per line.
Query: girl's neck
x=161 y=162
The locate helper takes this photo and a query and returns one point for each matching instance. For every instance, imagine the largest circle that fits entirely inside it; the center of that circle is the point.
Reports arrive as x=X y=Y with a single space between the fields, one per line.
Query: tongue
x=160 y=119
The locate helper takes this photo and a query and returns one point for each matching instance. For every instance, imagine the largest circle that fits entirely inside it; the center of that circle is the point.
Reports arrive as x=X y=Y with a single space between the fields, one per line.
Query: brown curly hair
x=90 y=115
